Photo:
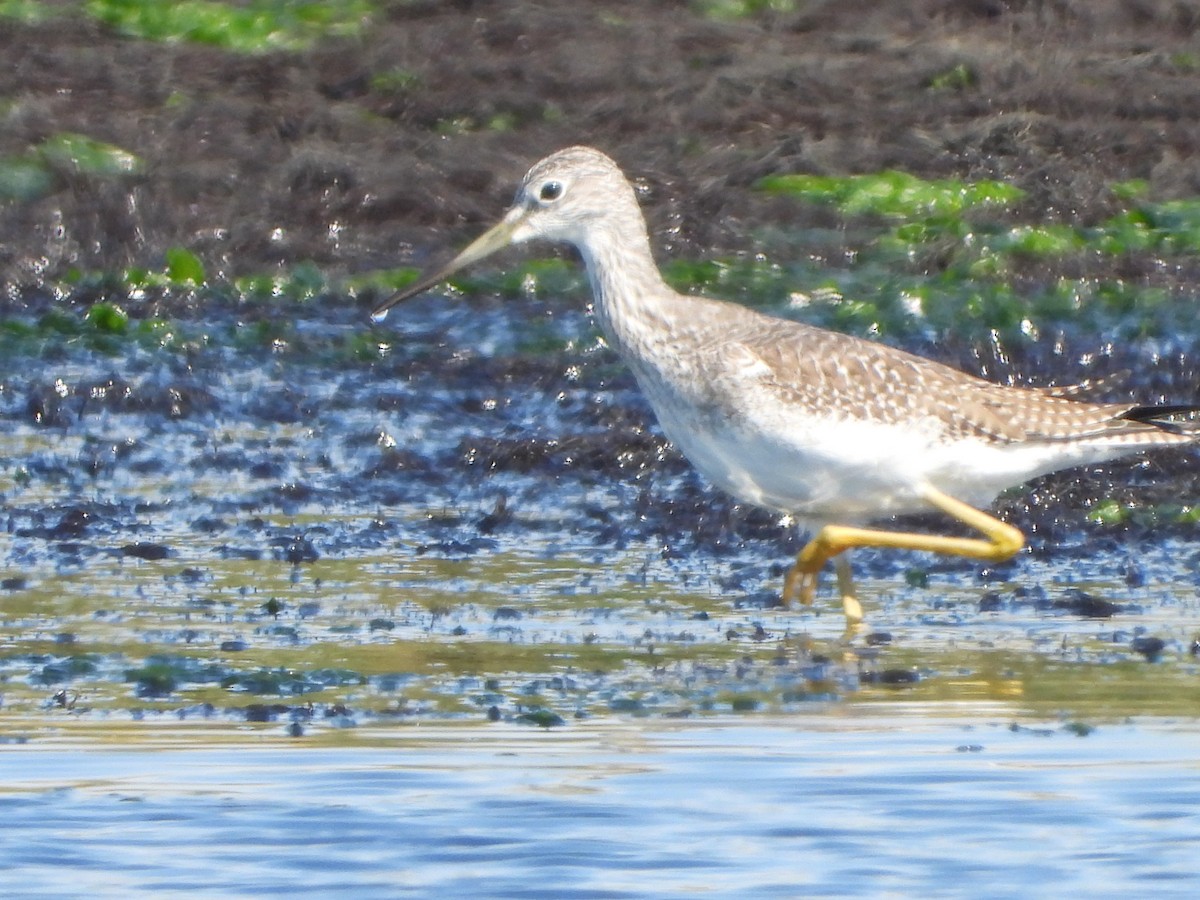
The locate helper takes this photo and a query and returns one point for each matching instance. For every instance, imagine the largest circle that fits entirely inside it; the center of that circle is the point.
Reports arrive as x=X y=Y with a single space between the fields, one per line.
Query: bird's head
x=565 y=197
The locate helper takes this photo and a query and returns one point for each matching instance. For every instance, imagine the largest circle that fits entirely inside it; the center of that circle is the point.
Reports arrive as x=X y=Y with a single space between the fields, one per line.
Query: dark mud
x=292 y=437
x=371 y=152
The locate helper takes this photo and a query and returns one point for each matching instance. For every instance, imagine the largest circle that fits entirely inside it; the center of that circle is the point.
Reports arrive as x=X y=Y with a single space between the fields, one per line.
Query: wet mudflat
x=336 y=524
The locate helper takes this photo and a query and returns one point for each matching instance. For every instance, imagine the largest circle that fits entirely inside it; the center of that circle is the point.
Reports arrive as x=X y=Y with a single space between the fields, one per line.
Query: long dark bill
x=495 y=238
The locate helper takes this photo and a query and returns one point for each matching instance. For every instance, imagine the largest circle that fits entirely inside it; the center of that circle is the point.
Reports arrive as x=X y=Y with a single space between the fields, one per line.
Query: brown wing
x=845 y=375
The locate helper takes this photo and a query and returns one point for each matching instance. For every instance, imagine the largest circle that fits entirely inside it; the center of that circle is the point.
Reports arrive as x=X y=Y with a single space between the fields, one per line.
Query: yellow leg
x=1000 y=541
x=845 y=579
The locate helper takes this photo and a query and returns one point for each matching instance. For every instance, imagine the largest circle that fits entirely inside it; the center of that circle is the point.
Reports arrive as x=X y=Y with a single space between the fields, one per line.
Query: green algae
x=741 y=9
x=939 y=211
x=83 y=155
x=937 y=256
x=107 y=318
x=28 y=12
x=183 y=268
x=258 y=26
x=59 y=159
x=893 y=194
x=102 y=326
x=254 y=27
x=959 y=77
x=1113 y=513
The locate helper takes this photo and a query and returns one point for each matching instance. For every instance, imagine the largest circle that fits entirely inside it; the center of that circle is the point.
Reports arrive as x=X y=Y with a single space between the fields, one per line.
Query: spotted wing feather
x=848 y=376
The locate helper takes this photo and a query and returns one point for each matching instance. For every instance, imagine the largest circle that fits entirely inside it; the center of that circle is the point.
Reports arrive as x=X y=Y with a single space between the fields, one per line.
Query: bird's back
x=828 y=373
x=801 y=419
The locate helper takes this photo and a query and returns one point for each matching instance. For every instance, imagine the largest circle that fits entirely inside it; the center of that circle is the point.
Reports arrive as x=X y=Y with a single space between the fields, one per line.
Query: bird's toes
x=799 y=586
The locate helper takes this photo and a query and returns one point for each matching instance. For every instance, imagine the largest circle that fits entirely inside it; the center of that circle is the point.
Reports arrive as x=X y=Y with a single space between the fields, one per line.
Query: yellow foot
x=800 y=584
x=1000 y=541
x=799 y=587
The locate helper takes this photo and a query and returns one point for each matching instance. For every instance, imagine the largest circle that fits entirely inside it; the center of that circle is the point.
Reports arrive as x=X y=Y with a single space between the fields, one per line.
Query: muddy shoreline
x=373 y=152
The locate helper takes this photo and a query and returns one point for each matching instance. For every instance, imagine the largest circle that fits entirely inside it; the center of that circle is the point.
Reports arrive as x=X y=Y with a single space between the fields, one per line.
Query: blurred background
x=357 y=134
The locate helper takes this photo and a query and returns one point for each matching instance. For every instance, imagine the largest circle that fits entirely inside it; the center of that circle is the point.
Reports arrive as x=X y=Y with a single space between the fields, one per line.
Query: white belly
x=852 y=471
x=825 y=471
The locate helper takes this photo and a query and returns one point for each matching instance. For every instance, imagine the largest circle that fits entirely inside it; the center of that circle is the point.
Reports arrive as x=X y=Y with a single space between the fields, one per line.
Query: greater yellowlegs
x=832 y=429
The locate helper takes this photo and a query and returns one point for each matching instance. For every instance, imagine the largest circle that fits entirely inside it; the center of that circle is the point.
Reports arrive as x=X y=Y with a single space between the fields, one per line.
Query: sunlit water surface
x=864 y=802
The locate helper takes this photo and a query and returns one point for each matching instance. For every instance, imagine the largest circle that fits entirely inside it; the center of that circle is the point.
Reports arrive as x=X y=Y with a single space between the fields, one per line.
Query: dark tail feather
x=1176 y=419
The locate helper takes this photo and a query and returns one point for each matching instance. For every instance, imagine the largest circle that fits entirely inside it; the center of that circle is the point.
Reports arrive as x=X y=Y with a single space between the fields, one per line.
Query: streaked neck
x=626 y=284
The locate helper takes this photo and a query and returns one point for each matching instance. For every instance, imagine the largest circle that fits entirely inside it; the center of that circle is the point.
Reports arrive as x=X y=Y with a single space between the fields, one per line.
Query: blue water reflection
x=815 y=806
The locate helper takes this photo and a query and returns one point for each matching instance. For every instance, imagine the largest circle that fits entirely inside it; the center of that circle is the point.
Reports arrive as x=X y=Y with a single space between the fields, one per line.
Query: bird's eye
x=550 y=191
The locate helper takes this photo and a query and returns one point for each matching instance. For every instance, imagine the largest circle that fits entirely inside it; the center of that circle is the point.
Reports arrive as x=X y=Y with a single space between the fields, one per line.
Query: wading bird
x=832 y=429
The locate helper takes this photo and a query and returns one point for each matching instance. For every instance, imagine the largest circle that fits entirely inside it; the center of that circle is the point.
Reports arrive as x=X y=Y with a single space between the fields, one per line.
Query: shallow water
x=864 y=803
x=449 y=621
